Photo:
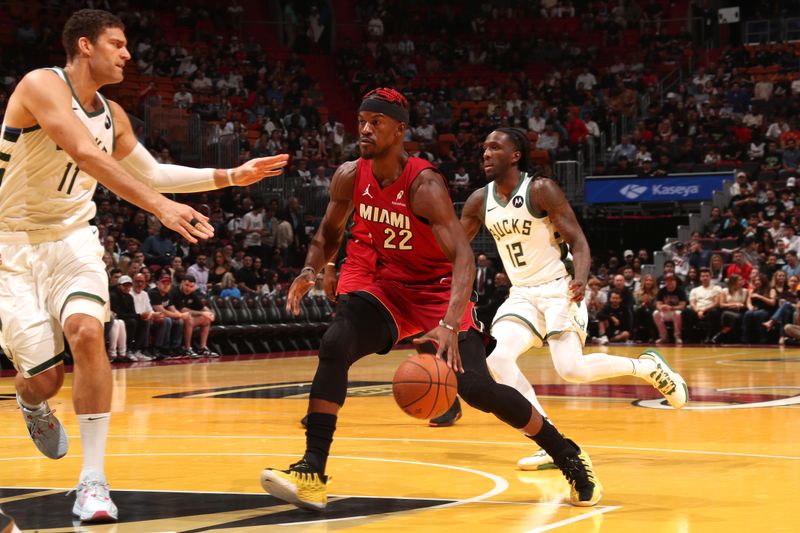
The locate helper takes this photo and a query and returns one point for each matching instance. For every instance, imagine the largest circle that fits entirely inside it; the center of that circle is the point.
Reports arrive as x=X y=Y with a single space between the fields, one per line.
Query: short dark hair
x=88 y=23
x=520 y=139
x=705 y=269
x=190 y=278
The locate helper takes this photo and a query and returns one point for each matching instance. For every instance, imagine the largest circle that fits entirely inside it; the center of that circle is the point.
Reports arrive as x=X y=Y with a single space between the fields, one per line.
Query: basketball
x=424 y=387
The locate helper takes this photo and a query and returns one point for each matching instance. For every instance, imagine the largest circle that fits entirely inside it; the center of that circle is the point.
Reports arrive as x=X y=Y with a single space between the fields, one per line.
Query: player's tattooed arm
x=328 y=238
x=472 y=216
x=430 y=201
x=548 y=197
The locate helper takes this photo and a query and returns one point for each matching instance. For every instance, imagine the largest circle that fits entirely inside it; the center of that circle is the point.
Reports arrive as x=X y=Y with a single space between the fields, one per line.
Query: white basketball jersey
x=41 y=187
x=531 y=249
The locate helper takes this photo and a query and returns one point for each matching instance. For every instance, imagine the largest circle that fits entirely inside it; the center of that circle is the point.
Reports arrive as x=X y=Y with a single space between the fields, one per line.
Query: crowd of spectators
x=465 y=73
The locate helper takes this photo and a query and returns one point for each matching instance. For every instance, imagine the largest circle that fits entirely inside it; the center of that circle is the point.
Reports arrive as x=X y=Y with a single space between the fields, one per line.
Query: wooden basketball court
x=188 y=442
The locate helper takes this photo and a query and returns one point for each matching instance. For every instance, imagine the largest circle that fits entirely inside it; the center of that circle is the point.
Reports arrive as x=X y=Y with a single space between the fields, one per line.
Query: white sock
x=94 y=433
x=576 y=367
x=513 y=339
x=22 y=403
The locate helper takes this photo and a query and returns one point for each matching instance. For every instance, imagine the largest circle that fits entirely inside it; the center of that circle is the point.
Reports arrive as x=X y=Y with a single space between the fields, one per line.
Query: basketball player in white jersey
x=59 y=137
x=546 y=257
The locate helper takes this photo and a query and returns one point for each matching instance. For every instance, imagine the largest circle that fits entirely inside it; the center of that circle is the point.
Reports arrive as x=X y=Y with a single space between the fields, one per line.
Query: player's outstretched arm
x=548 y=196
x=180 y=179
x=472 y=214
x=328 y=238
x=430 y=200
x=42 y=98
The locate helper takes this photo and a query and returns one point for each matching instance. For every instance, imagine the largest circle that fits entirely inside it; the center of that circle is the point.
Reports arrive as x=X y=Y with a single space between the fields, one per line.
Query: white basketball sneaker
x=540 y=460
x=93 y=502
x=666 y=381
x=46 y=431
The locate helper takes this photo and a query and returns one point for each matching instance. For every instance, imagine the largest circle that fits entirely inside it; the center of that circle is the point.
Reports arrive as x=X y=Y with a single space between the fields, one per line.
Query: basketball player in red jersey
x=423 y=281
x=357 y=271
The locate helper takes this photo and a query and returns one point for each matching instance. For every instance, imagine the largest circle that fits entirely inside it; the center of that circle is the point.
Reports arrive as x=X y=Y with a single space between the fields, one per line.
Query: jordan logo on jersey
x=366 y=191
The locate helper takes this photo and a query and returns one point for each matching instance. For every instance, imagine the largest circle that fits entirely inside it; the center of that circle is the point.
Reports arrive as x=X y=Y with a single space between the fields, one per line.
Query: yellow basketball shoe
x=665 y=380
x=585 y=488
x=300 y=485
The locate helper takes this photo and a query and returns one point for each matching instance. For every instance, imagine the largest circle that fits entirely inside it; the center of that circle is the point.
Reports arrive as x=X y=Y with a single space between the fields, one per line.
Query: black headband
x=380 y=106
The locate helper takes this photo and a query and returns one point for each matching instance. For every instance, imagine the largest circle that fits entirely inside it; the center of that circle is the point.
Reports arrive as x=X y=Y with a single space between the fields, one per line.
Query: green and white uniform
x=50 y=257
x=538 y=263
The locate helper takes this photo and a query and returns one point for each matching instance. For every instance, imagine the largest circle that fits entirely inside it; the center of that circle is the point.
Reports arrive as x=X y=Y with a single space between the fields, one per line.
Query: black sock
x=319 y=436
x=553 y=442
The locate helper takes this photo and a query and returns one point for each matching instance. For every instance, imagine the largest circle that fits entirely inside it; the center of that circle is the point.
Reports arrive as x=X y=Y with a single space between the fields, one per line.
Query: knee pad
x=474 y=388
x=336 y=343
x=504 y=402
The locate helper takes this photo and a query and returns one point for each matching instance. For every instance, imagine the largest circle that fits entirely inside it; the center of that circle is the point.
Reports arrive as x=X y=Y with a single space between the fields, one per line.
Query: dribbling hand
x=447 y=344
x=300 y=286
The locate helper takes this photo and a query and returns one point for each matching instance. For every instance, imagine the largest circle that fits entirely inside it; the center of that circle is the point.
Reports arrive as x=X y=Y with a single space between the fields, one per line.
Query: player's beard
x=371 y=151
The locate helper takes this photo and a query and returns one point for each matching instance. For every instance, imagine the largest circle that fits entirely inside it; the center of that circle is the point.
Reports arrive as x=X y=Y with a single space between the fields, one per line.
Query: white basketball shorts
x=42 y=282
x=546 y=309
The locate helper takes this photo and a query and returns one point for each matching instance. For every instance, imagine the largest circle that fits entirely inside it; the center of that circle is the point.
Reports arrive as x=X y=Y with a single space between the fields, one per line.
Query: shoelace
x=576 y=468
x=95 y=484
x=663 y=380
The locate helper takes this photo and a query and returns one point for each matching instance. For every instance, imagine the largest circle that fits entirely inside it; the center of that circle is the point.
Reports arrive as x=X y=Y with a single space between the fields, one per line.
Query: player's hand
x=576 y=291
x=257 y=169
x=447 y=344
x=300 y=286
x=185 y=220
x=330 y=282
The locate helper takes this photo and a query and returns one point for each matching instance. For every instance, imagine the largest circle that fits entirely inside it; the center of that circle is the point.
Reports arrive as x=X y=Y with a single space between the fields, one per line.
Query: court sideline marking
x=386 y=439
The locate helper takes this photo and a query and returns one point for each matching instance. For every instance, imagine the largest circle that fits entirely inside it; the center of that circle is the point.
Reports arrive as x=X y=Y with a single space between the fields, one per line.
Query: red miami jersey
x=407 y=250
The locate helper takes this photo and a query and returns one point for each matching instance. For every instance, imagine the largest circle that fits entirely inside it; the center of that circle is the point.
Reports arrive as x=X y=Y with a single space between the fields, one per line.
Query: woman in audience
x=228 y=285
x=692 y=280
x=732 y=302
x=786 y=305
x=644 y=306
x=717 y=267
x=760 y=305
x=271 y=286
x=219 y=267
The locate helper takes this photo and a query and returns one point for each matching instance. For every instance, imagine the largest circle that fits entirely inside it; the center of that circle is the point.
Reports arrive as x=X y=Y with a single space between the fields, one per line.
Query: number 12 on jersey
x=515 y=254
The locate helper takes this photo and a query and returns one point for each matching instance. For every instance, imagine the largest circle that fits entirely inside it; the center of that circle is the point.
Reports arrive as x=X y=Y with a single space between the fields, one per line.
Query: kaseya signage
x=672 y=188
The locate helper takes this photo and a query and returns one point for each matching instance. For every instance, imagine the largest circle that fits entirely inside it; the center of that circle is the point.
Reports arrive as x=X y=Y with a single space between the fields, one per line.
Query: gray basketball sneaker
x=46 y=431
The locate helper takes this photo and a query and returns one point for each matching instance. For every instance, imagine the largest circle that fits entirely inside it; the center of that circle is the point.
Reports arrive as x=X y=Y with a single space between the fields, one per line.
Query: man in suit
x=484 y=279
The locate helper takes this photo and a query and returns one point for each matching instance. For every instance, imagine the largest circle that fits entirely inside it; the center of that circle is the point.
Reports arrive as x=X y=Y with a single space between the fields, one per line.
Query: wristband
x=230 y=176
x=446 y=325
x=309 y=269
x=331 y=264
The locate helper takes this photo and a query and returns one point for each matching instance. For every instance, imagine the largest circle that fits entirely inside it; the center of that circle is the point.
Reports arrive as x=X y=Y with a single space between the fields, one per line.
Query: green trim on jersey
x=79 y=294
x=568 y=263
x=113 y=126
x=53 y=361
x=529 y=204
x=510 y=196
x=520 y=318
x=91 y=114
x=486 y=193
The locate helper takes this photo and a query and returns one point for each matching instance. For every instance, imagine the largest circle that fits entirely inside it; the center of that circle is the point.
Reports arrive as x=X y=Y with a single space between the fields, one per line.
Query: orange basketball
x=424 y=387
